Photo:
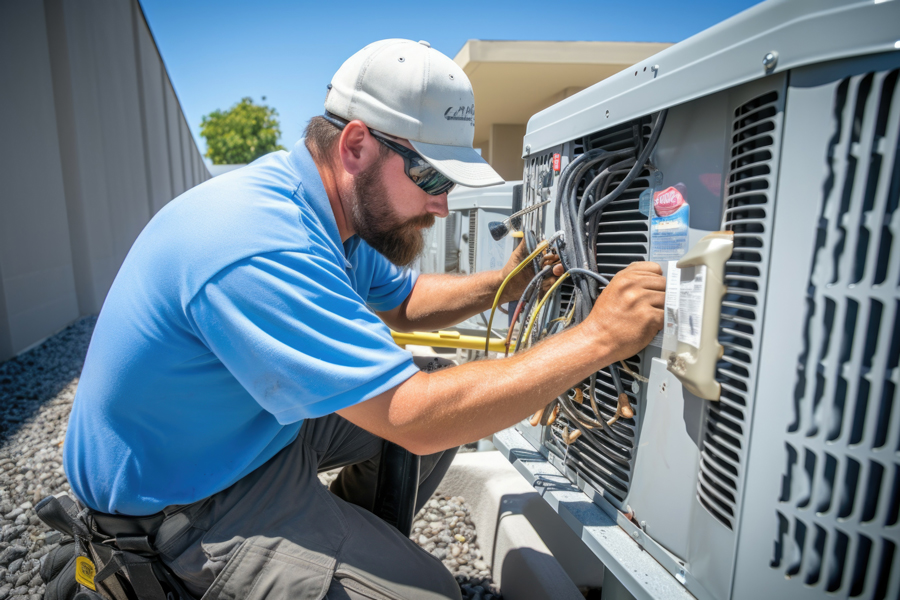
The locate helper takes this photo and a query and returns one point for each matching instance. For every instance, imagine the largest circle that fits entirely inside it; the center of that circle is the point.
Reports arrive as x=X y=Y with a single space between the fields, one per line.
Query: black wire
x=636 y=169
x=591 y=274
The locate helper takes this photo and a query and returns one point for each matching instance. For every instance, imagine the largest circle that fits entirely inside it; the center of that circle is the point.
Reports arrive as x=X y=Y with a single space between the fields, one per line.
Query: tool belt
x=104 y=556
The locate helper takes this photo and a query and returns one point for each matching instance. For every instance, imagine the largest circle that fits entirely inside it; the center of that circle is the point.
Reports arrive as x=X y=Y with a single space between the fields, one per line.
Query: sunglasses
x=430 y=180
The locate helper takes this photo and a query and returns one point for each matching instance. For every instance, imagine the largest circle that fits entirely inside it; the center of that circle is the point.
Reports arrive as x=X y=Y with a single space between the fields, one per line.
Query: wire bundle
x=577 y=223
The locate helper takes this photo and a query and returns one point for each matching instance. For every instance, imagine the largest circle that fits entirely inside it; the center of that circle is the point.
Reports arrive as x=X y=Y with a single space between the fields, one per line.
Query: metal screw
x=607 y=114
x=636 y=534
x=527 y=148
x=643 y=524
x=654 y=68
x=770 y=60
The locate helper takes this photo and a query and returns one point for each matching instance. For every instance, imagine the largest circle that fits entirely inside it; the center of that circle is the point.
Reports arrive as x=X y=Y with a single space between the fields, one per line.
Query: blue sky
x=218 y=51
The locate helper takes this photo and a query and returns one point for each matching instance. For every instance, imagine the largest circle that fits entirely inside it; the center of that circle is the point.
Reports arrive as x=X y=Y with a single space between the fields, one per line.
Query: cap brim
x=460 y=164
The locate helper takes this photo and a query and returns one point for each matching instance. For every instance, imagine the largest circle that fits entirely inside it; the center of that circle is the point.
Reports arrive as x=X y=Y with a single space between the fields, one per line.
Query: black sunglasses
x=429 y=179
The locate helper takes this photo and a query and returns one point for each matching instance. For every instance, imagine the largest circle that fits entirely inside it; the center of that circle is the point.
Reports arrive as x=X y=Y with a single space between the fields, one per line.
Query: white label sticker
x=666 y=337
x=670 y=329
x=691 y=291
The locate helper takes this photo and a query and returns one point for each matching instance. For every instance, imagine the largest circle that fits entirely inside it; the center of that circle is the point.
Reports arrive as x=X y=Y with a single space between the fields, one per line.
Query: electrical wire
x=537 y=309
x=521 y=304
x=540 y=248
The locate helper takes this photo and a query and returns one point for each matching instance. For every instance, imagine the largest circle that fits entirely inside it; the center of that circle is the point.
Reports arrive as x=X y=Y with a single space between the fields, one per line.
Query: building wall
x=99 y=145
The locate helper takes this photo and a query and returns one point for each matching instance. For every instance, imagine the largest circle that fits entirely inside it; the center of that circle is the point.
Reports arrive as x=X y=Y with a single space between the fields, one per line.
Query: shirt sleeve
x=294 y=333
x=390 y=284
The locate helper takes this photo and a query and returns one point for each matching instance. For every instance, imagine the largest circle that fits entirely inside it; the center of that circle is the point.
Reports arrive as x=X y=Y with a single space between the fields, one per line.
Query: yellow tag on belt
x=85 y=572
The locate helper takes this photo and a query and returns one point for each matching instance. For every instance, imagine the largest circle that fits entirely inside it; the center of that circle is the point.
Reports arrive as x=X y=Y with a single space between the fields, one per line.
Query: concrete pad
x=532 y=552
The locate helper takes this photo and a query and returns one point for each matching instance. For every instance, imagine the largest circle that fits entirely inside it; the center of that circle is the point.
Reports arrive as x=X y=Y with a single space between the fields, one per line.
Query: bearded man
x=244 y=347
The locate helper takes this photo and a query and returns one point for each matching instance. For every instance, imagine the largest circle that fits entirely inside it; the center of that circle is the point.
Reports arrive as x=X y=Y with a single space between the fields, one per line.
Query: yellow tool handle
x=447 y=339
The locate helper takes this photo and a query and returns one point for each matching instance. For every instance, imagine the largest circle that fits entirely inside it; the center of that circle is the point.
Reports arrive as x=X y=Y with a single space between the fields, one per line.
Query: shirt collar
x=313 y=191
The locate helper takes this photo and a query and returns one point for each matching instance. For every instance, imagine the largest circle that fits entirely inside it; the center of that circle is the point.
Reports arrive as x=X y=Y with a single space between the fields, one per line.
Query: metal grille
x=605 y=458
x=837 y=516
x=756 y=132
x=473 y=240
x=451 y=243
x=536 y=185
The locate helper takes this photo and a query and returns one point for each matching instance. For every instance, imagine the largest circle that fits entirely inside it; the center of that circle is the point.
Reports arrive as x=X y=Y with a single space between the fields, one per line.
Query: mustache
x=422 y=221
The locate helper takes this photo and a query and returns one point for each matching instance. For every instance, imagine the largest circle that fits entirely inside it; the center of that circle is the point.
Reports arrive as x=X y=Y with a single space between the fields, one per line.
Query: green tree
x=242 y=133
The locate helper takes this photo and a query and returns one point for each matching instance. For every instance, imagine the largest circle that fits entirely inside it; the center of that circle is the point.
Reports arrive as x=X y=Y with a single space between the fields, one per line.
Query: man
x=244 y=347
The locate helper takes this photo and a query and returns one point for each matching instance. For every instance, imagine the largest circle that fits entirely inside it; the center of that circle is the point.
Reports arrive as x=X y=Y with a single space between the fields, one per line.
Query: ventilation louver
x=749 y=212
x=451 y=243
x=837 y=516
x=605 y=458
x=473 y=238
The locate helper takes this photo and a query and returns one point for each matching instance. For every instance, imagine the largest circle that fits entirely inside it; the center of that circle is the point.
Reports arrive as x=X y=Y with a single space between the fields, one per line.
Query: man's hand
x=630 y=311
x=518 y=283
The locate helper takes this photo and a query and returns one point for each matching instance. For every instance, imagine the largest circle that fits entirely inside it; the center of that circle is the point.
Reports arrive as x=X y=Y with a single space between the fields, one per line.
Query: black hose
x=636 y=169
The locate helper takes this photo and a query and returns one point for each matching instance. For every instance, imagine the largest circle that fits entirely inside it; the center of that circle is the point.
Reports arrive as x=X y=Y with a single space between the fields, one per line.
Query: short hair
x=321 y=136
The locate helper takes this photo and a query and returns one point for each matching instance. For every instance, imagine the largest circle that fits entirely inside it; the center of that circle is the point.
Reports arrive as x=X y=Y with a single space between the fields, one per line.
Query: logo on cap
x=462 y=113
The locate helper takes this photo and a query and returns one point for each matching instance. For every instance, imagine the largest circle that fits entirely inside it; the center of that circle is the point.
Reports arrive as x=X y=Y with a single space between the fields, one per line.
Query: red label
x=557 y=162
x=667 y=201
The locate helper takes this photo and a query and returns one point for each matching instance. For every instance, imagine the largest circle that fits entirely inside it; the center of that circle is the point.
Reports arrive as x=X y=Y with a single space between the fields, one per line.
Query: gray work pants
x=278 y=533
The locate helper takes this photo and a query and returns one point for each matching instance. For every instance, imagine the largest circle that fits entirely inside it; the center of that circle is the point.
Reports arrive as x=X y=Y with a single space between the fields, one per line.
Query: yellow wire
x=537 y=310
x=540 y=248
x=570 y=315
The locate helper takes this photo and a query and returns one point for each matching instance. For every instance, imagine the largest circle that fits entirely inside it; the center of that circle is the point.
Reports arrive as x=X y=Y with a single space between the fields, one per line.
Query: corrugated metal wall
x=93 y=143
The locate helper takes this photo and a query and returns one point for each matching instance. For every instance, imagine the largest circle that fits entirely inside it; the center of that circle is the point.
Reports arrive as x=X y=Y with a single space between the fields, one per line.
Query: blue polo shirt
x=237 y=314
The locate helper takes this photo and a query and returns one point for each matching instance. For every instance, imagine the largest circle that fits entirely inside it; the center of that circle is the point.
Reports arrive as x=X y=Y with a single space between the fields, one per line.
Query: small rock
x=460 y=538
x=11 y=554
x=52 y=537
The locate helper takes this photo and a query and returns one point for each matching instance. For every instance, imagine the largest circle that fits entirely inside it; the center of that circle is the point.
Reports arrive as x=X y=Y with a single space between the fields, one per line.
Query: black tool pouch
x=104 y=556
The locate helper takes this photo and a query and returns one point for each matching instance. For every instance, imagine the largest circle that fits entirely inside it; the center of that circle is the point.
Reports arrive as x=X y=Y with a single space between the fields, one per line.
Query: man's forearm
x=440 y=301
x=432 y=412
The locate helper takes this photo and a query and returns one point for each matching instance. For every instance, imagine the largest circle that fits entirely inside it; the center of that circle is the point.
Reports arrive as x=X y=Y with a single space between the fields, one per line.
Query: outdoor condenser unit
x=782 y=127
x=462 y=242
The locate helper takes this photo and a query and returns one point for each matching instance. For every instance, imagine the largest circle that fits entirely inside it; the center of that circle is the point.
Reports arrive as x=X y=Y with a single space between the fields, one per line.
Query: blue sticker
x=646 y=201
x=669 y=235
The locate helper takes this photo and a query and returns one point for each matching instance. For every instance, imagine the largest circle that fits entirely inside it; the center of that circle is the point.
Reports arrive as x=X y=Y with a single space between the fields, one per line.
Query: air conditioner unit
x=462 y=242
x=782 y=126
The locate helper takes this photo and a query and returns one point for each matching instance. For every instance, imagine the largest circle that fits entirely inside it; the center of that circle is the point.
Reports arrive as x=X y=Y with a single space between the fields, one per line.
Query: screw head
x=527 y=148
x=635 y=534
x=770 y=60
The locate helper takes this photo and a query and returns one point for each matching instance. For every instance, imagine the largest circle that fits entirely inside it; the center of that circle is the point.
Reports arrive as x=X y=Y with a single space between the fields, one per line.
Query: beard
x=379 y=225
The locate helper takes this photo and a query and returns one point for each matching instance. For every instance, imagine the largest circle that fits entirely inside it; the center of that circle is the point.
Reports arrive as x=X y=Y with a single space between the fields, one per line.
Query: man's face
x=391 y=213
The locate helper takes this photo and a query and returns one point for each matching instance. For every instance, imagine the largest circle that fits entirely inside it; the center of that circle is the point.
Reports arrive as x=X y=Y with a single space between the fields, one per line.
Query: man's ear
x=357 y=147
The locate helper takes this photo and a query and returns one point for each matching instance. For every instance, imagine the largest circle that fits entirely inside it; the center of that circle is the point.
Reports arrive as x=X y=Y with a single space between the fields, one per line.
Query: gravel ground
x=36 y=392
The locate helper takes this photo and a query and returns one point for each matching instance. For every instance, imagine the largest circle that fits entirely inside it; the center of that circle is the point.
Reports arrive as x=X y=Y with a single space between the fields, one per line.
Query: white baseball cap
x=410 y=90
